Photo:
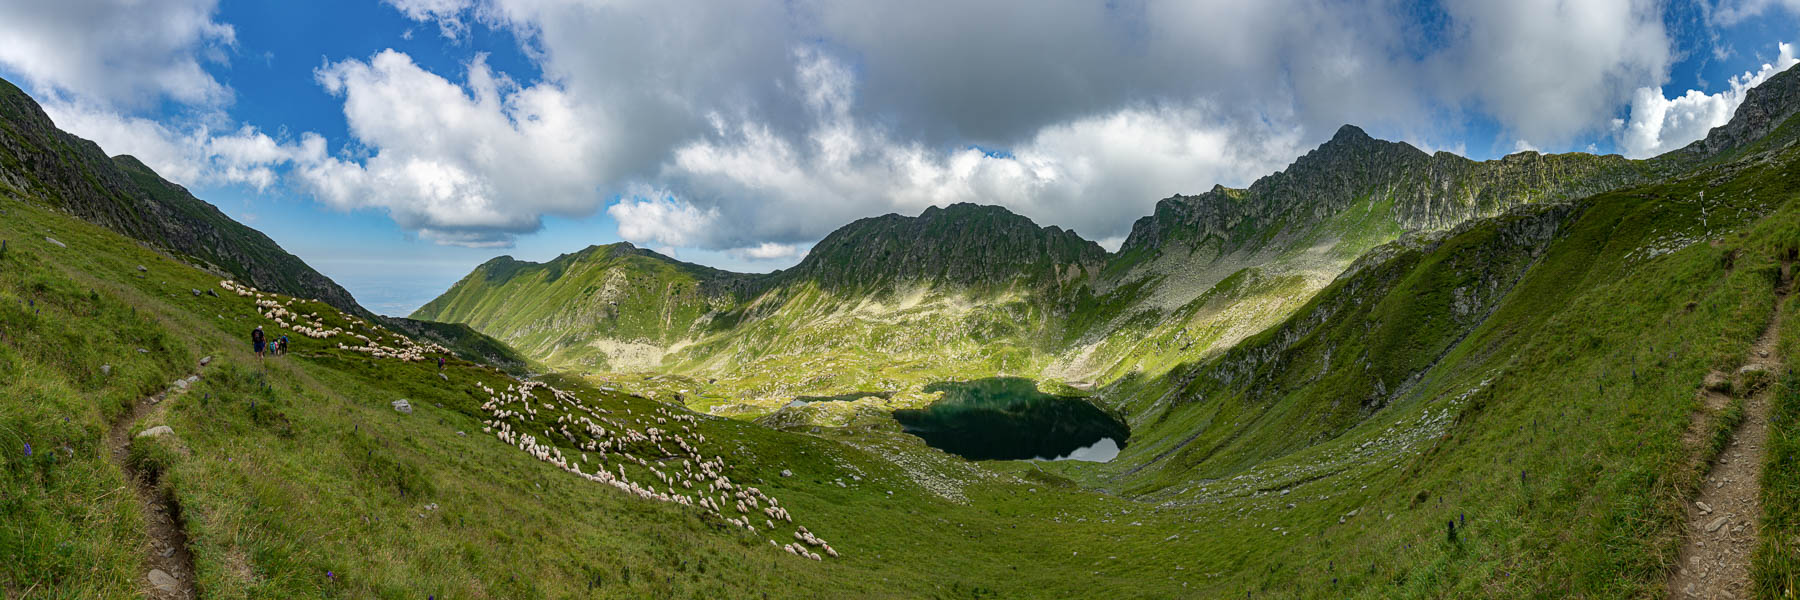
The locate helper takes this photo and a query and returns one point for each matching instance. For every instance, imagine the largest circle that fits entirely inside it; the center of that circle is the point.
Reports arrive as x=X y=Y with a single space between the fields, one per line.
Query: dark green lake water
x=1007 y=418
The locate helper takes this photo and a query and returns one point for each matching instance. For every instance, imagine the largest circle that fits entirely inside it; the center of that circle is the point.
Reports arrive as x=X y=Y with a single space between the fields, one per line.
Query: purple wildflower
x=28 y=448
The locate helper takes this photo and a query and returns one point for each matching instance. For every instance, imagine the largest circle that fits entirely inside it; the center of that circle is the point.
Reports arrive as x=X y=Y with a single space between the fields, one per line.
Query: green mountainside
x=120 y=193
x=1524 y=403
x=892 y=304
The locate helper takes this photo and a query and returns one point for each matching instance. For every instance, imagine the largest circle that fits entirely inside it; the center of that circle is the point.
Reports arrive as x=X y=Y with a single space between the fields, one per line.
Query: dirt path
x=1722 y=525
x=169 y=567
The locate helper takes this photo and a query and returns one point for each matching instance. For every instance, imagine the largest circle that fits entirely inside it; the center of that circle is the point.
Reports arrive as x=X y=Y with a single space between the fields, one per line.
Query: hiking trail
x=168 y=565
x=1723 y=519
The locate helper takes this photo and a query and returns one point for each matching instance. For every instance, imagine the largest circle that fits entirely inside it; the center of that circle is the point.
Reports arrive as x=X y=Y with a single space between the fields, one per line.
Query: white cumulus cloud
x=470 y=163
x=770 y=122
x=1093 y=174
x=1551 y=69
x=654 y=217
x=117 y=53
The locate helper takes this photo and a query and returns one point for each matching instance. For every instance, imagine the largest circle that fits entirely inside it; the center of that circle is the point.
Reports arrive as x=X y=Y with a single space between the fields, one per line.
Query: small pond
x=1007 y=418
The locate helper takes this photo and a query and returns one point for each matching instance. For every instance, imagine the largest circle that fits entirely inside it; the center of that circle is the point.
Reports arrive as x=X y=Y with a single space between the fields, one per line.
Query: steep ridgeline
x=41 y=163
x=1760 y=124
x=1204 y=271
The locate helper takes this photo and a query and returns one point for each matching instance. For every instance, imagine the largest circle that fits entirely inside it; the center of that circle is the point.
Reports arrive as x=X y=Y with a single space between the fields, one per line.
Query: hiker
x=440 y=363
x=256 y=340
x=281 y=346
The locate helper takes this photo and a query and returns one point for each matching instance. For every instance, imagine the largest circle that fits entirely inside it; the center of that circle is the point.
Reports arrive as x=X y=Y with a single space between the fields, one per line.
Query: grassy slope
x=1554 y=427
x=287 y=469
x=278 y=494
x=1563 y=486
x=551 y=311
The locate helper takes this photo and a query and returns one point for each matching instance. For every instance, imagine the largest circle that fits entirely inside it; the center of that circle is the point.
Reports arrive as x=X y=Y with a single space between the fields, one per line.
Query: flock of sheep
x=272 y=308
x=683 y=475
x=686 y=477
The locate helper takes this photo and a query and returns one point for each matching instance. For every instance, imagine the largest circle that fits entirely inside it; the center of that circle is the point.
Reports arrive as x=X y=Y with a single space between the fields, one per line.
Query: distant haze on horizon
x=394 y=145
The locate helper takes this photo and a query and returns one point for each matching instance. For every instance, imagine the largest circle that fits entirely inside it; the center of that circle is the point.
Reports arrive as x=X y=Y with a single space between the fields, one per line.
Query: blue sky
x=395 y=144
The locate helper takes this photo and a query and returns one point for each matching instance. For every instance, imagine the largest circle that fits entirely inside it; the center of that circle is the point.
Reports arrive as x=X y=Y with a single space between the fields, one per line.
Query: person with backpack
x=256 y=340
x=281 y=345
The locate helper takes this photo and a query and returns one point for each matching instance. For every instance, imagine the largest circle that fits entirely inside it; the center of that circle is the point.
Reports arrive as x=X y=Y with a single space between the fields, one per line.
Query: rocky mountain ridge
x=42 y=162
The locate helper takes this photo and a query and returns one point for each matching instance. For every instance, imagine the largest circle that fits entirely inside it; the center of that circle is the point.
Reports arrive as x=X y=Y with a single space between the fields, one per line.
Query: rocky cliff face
x=39 y=161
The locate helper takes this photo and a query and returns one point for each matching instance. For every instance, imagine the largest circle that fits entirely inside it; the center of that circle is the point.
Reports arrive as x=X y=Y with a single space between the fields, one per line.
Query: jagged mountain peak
x=1351 y=144
x=1348 y=133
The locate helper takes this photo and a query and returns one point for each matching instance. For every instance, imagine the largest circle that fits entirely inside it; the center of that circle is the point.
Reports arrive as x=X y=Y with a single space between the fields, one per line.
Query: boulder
x=402 y=406
x=53 y=241
x=163 y=582
x=157 y=431
x=141 y=269
x=205 y=361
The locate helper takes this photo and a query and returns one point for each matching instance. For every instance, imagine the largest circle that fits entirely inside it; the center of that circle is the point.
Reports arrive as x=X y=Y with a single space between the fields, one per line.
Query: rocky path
x=1722 y=524
x=168 y=564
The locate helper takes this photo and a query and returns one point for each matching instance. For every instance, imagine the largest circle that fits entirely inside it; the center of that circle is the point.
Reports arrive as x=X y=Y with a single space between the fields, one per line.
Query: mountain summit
x=961 y=244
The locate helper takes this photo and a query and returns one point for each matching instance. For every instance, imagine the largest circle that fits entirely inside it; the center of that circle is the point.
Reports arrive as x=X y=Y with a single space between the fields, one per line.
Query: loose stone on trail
x=163 y=582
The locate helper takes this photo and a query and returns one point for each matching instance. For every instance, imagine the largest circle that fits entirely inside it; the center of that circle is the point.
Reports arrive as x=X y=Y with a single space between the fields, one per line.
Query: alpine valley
x=1377 y=373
